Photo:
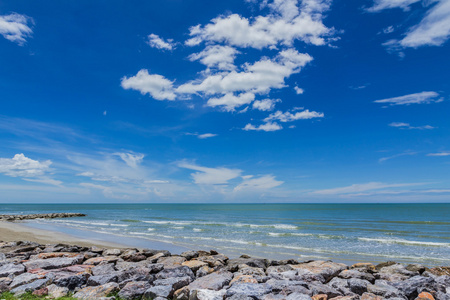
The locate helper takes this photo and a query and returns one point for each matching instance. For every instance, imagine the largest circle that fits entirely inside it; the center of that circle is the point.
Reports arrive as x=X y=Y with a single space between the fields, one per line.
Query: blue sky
x=225 y=101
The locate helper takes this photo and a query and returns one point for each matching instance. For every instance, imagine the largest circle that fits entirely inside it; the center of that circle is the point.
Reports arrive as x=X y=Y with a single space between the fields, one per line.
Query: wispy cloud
x=251 y=183
x=407 y=153
x=444 y=153
x=15 y=28
x=417 y=98
x=358 y=188
x=155 y=41
x=269 y=126
x=402 y=125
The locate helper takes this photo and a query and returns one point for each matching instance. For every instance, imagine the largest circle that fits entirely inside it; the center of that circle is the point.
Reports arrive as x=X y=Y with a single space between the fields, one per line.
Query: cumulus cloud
x=298 y=90
x=131 y=159
x=22 y=166
x=156 y=85
x=260 y=183
x=402 y=125
x=289 y=117
x=417 y=98
x=286 y=23
x=156 y=42
x=432 y=30
x=265 y=105
x=216 y=56
x=445 y=153
x=229 y=102
x=14 y=27
x=211 y=176
x=269 y=126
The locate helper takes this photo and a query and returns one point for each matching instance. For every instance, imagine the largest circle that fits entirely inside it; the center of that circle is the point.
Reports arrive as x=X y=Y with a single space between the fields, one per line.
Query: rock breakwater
x=95 y=273
x=39 y=216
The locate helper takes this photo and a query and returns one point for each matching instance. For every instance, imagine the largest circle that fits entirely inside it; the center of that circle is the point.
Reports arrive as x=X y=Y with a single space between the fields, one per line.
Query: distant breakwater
x=39 y=216
x=95 y=273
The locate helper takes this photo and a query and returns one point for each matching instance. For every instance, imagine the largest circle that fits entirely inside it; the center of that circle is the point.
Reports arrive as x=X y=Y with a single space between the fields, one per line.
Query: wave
x=405 y=242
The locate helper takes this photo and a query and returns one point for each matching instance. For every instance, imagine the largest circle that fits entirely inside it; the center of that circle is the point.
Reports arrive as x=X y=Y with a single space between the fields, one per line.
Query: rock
x=354 y=297
x=189 y=254
x=112 y=252
x=181 y=294
x=214 y=260
x=327 y=269
x=273 y=296
x=53 y=263
x=298 y=296
x=14 y=269
x=416 y=268
x=213 y=281
x=347 y=274
x=278 y=269
x=251 y=271
x=175 y=272
x=396 y=272
x=233 y=264
x=55 y=291
x=320 y=297
x=101 y=279
x=364 y=267
x=307 y=275
x=41 y=292
x=91 y=292
x=358 y=286
x=239 y=297
x=30 y=287
x=72 y=282
x=133 y=290
x=370 y=296
x=425 y=295
x=175 y=283
x=24 y=278
x=251 y=290
x=202 y=294
x=439 y=271
x=155 y=257
x=163 y=291
x=318 y=288
x=171 y=261
x=383 y=289
x=39 y=216
x=340 y=285
x=410 y=286
x=243 y=279
x=205 y=270
x=194 y=265
x=103 y=269
x=296 y=289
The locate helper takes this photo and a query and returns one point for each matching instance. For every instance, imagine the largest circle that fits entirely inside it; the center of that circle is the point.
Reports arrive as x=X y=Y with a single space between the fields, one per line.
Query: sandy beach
x=10 y=231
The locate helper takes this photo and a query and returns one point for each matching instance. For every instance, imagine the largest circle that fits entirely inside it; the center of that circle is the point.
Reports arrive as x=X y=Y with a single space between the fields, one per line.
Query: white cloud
x=432 y=30
x=44 y=180
x=206 y=135
x=269 y=126
x=229 y=102
x=211 y=176
x=380 y=5
x=402 y=125
x=261 y=183
x=265 y=105
x=289 y=117
x=131 y=159
x=285 y=24
x=220 y=57
x=14 y=27
x=417 y=98
x=298 y=90
x=357 y=188
x=22 y=166
x=260 y=77
x=156 y=85
x=445 y=153
x=156 y=42
x=407 y=153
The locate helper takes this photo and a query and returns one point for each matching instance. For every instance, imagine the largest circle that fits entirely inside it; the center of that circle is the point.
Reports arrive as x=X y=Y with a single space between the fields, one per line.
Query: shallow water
x=341 y=232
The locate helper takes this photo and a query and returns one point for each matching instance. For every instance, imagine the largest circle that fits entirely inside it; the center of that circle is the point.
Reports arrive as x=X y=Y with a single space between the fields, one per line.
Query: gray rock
x=340 y=285
x=296 y=289
x=308 y=276
x=30 y=287
x=251 y=271
x=101 y=279
x=138 y=274
x=158 y=291
x=23 y=278
x=319 y=288
x=233 y=264
x=133 y=290
x=202 y=294
x=175 y=272
x=53 y=263
x=256 y=291
x=112 y=252
x=14 y=269
x=55 y=291
x=239 y=297
x=298 y=296
x=189 y=254
x=383 y=289
x=358 y=286
x=213 y=281
x=103 y=269
x=171 y=261
x=355 y=273
x=278 y=269
x=279 y=285
x=96 y=292
x=273 y=296
x=326 y=269
x=72 y=282
x=175 y=283
x=410 y=286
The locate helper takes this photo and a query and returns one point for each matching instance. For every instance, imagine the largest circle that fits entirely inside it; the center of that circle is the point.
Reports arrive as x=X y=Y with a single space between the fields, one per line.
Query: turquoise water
x=341 y=232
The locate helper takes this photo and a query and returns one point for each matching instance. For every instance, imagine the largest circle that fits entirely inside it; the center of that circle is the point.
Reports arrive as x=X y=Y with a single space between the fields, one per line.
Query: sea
x=349 y=233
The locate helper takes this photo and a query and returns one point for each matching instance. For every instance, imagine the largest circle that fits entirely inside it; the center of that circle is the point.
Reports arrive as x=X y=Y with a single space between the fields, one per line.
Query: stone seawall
x=96 y=273
x=39 y=216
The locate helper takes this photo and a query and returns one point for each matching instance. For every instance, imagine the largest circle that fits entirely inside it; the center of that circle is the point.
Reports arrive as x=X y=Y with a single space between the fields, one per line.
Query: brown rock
x=94 y=261
x=439 y=271
x=171 y=261
x=243 y=279
x=320 y=297
x=366 y=266
x=41 y=292
x=425 y=295
x=55 y=254
x=181 y=294
x=194 y=265
x=95 y=292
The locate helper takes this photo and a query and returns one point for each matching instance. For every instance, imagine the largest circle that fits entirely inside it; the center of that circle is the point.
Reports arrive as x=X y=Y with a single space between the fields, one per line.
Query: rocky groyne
x=95 y=273
x=39 y=216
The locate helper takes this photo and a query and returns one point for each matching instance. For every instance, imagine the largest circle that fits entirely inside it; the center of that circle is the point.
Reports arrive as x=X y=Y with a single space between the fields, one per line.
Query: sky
x=240 y=101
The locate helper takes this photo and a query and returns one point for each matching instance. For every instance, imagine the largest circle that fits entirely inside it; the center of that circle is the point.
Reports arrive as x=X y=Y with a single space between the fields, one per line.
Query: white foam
x=405 y=242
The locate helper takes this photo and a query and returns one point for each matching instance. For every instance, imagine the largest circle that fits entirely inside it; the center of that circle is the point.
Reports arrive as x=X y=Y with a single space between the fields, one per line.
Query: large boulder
x=213 y=281
x=96 y=292
x=326 y=269
x=133 y=290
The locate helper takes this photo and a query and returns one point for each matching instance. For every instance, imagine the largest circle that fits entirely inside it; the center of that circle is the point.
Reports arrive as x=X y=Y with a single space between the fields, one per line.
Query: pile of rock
x=94 y=273
x=39 y=216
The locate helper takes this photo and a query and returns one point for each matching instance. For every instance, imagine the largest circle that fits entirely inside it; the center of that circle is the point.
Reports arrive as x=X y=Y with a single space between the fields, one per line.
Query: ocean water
x=347 y=233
